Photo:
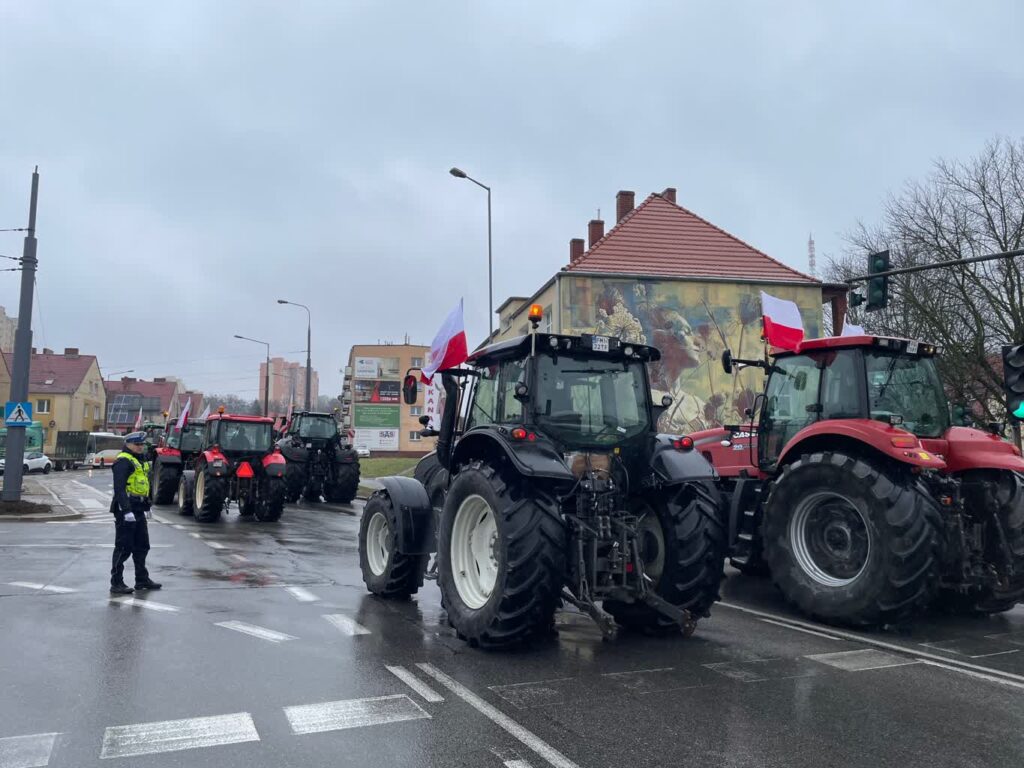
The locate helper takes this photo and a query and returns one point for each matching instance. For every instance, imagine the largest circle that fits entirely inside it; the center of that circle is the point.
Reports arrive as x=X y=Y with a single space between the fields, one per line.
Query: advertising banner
x=377 y=391
x=376 y=368
x=378 y=416
x=377 y=439
x=433 y=398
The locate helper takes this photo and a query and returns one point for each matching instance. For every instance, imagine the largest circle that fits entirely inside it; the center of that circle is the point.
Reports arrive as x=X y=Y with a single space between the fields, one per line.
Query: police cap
x=135 y=437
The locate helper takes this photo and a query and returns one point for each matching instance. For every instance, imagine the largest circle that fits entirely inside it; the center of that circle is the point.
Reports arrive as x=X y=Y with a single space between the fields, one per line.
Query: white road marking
x=862 y=659
x=27 y=751
x=240 y=558
x=53 y=495
x=103 y=521
x=978 y=675
x=517 y=763
x=251 y=629
x=88 y=503
x=346 y=625
x=407 y=677
x=196 y=535
x=161 y=520
x=176 y=735
x=986 y=672
x=938 y=646
x=503 y=721
x=179 y=527
x=44 y=587
x=135 y=602
x=302 y=595
x=91 y=489
x=214 y=544
x=353 y=713
x=799 y=629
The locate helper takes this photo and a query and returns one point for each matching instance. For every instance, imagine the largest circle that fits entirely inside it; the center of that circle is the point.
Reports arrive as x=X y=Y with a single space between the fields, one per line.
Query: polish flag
x=183 y=418
x=138 y=419
x=783 y=327
x=852 y=330
x=449 y=348
x=206 y=412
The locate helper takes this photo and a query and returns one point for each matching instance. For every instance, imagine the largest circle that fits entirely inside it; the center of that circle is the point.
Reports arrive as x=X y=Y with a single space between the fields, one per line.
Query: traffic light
x=1013 y=380
x=856 y=299
x=878 y=287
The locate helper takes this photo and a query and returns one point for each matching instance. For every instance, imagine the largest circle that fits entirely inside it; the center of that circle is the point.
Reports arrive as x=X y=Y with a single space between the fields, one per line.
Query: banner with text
x=377 y=439
x=379 y=416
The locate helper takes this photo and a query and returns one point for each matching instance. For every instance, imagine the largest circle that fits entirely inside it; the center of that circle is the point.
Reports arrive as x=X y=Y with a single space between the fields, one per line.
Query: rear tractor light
x=521 y=434
x=904 y=441
x=683 y=443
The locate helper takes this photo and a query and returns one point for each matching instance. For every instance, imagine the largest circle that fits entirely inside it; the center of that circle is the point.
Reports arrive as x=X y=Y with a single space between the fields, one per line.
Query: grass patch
x=385 y=467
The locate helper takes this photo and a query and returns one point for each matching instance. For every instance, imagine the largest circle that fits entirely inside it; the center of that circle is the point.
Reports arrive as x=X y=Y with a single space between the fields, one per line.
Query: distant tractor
x=556 y=488
x=857 y=495
x=237 y=461
x=174 y=451
x=319 y=462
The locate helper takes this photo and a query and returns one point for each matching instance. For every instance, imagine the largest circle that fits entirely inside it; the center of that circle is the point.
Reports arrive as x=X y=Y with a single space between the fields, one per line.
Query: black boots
x=147 y=584
x=120 y=589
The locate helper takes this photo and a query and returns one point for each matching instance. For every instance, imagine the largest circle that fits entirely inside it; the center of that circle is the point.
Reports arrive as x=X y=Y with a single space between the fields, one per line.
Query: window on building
x=85 y=411
x=547 y=325
x=42 y=406
x=416 y=410
x=414 y=437
x=95 y=413
x=417 y=362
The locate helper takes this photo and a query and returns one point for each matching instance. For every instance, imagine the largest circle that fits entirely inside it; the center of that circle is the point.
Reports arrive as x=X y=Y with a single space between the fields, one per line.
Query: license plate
x=912 y=347
x=600 y=344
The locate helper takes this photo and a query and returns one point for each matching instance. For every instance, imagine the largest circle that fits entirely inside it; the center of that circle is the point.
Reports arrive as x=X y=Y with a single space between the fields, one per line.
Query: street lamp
x=309 y=367
x=266 y=375
x=461 y=174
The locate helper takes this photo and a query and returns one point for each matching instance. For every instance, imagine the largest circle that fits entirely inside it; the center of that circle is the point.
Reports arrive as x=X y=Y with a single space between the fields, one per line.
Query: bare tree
x=962 y=209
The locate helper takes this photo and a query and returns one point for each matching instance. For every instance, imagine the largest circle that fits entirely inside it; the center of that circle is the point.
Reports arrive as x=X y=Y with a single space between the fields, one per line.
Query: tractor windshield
x=317 y=427
x=244 y=436
x=899 y=385
x=590 y=402
x=189 y=439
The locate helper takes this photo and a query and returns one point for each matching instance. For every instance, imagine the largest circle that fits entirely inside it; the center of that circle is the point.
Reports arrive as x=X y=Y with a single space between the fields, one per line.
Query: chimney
x=595 y=231
x=159 y=380
x=669 y=194
x=71 y=352
x=47 y=351
x=575 y=249
x=33 y=350
x=127 y=381
x=624 y=203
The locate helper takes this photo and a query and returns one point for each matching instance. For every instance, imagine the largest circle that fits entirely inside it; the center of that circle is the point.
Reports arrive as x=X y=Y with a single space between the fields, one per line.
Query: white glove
x=129 y=518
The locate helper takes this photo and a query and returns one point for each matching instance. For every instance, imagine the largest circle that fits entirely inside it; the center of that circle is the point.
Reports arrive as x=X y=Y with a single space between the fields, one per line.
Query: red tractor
x=174 y=451
x=857 y=495
x=237 y=462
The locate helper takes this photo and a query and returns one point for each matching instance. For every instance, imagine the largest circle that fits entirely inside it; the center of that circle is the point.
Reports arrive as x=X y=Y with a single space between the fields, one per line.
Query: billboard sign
x=377 y=368
x=377 y=416
x=377 y=391
x=377 y=439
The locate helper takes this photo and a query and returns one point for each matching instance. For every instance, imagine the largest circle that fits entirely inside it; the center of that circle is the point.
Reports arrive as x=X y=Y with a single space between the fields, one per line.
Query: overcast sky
x=201 y=159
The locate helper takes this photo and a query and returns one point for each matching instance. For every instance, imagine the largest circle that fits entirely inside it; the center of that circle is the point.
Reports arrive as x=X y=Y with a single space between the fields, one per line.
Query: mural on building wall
x=691 y=323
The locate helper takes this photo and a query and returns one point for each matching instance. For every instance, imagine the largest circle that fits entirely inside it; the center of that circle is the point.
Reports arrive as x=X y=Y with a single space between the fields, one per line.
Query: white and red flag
x=783 y=326
x=852 y=330
x=183 y=418
x=449 y=348
x=206 y=412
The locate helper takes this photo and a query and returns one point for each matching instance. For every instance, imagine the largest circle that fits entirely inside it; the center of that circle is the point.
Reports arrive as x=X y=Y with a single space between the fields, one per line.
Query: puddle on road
x=249 y=577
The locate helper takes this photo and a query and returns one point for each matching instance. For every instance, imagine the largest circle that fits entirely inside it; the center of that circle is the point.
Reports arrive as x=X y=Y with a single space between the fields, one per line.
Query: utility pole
x=22 y=352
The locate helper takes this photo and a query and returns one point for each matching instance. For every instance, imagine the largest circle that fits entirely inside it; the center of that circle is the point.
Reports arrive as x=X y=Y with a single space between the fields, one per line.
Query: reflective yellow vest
x=138 y=480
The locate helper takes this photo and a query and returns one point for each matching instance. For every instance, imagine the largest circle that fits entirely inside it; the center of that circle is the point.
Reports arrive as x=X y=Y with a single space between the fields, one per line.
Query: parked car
x=34 y=462
x=362 y=452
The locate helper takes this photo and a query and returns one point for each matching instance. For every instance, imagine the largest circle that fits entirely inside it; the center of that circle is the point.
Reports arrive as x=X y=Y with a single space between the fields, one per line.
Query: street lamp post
x=309 y=366
x=460 y=174
x=266 y=375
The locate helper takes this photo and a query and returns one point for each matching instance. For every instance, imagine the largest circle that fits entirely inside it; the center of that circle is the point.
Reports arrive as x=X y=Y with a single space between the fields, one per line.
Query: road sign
x=18 y=414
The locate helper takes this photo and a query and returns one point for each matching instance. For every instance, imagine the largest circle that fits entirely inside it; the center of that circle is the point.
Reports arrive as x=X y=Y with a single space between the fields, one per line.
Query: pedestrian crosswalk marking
x=27 y=751
x=346 y=625
x=137 y=603
x=353 y=713
x=407 y=677
x=261 y=632
x=302 y=595
x=177 y=735
x=43 y=587
x=862 y=659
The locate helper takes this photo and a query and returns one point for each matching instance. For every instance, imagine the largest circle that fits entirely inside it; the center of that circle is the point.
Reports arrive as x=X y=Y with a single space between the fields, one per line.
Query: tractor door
x=791 y=403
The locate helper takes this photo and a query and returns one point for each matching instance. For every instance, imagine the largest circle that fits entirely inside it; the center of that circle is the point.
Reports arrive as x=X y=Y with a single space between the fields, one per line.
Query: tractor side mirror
x=666 y=401
x=410 y=390
x=424 y=420
x=727 y=361
x=522 y=392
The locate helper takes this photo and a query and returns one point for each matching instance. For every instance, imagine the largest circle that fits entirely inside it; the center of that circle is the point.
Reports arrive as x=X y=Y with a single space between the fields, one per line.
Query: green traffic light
x=1019 y=413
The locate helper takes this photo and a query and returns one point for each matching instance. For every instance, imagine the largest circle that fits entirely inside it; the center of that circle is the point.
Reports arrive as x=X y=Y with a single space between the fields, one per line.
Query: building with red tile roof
x=127 y=396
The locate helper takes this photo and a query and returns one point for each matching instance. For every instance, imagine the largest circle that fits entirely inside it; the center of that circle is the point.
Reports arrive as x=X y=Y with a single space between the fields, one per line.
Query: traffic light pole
x=936 y=265
x=22 y=353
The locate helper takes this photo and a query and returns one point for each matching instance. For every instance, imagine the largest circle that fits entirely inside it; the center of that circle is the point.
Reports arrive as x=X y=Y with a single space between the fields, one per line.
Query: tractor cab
x=315 y=430
x=188 y=439
x=892 y=381
x=239 y=436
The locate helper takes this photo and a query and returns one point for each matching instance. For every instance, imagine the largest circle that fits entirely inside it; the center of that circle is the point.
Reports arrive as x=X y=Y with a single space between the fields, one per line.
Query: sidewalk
x=33 y=491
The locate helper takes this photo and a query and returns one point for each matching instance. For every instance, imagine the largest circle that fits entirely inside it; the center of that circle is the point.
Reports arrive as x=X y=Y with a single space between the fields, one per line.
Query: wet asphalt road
x=264 y=649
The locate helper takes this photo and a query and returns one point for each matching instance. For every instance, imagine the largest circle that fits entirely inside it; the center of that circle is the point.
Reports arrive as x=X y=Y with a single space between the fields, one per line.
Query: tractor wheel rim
x=377 y=550
x=474 y=548
x=652 y=546
x=200 y=488
x=830 y=538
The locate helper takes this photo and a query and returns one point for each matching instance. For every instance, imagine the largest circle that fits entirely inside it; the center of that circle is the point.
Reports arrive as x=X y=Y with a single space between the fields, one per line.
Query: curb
x=36 y=517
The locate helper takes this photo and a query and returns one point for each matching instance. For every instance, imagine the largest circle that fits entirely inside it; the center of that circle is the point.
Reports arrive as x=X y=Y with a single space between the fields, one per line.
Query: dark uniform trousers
x=131 y=539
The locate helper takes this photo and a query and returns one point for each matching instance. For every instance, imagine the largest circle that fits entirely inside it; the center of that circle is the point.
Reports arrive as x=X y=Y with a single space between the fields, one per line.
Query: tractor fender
x=673 y=466
x=168 y=456
x=965 y=448
x=415 y=535
x=874 y=434
x=210 y=456
x=273 y=464
x=293 y=452
x=531 y=459
x=345 y=455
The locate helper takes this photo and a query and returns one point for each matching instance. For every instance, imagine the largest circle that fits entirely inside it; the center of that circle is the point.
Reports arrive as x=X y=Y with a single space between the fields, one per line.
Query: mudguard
x=168 y=456
x=415 y=516
x=532 y=459
x=673 y=466
x=274 y=464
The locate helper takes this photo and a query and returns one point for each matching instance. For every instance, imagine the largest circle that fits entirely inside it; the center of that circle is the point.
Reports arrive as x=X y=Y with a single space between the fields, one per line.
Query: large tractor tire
x=386 y=572
x=434 y=478
x=163 y=484
x=1006 y=505
x=270 y=505
x=683 y=542
x=295 y=481
x=849 y=544
x=345 y=485
x=502 y=558
x=208 y=496
x=186 y=488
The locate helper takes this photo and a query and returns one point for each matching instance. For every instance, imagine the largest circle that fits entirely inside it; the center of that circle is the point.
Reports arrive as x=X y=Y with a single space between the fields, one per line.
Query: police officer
x=129 y=508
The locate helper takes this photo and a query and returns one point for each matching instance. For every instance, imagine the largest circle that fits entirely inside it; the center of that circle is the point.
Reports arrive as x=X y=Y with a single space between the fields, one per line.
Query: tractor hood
x=965 y=448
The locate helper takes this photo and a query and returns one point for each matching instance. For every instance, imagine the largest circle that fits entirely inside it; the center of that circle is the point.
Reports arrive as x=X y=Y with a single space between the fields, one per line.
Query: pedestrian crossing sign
x=17 y=414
